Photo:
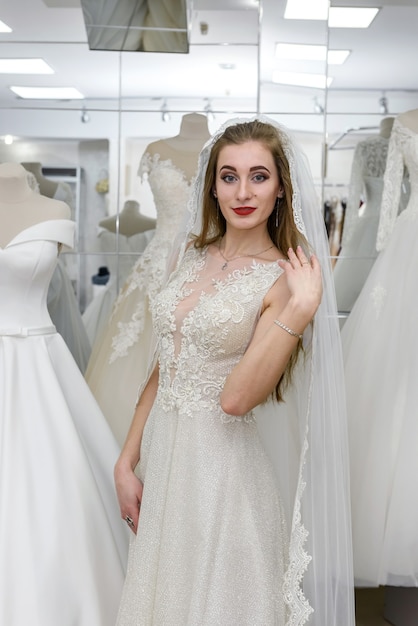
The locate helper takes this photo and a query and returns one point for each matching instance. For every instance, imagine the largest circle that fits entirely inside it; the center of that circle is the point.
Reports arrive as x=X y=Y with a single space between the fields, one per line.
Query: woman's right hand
x=129 y=491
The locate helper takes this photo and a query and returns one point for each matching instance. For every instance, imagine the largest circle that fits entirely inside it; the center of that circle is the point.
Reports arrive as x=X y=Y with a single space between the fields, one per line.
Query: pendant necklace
x=225 y=265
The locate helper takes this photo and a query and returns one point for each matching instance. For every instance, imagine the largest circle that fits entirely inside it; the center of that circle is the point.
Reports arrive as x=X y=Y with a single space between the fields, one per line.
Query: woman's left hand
x=304 y=280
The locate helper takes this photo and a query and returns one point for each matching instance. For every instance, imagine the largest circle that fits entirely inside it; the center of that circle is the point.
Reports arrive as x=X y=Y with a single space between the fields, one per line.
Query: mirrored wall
x=92 y=147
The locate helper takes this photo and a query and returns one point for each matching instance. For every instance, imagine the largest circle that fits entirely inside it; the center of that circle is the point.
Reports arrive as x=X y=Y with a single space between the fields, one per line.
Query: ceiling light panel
x=300 y=79
x=24 y=66
x=351 y=17
x=47 y=93
x=4 y=28
x=307 y=52
x=306 y=10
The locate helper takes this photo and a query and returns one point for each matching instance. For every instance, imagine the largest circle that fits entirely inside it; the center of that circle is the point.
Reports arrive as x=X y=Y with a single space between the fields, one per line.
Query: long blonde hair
x=285 y=235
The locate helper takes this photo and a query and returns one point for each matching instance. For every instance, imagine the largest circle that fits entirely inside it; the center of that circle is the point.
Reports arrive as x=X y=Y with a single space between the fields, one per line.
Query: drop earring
x=277 y=203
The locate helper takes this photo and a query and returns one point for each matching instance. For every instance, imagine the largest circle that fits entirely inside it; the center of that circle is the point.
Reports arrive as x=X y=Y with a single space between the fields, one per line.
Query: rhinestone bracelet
x=287 y=329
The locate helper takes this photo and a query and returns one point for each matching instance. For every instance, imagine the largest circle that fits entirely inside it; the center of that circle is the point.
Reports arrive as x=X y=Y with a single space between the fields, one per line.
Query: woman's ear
x=214 y=193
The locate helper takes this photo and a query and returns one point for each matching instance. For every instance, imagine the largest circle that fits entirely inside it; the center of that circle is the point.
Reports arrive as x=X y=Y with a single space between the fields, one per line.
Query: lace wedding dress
x=358 y=246
x=210 y=500
x=63 y=545
x=381 y=364
x=120 y=354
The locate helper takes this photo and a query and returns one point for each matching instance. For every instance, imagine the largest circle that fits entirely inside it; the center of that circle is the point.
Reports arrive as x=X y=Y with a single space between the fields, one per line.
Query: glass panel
x=137 y=25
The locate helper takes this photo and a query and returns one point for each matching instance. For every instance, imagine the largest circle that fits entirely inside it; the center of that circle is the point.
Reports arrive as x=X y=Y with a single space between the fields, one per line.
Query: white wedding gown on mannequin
x=120 y=354
x=380 y=346
x=63 y=545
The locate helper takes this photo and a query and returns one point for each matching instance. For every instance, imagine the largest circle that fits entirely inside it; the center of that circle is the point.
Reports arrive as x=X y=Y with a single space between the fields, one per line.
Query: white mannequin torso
x=410 y=119
x=20 y=206
x=183 y=149
x=131 y=221
x=47 y=187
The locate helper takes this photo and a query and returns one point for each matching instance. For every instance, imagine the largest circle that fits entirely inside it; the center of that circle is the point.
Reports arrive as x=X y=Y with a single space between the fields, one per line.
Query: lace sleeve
x=144 y=165
x=354 y=195
x=392 y=182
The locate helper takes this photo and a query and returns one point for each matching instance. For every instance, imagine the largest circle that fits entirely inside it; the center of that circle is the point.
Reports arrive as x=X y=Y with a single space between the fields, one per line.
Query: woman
x=217 y=541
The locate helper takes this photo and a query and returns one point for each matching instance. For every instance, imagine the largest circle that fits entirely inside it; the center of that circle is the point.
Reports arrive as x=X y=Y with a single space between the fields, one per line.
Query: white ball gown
x=381 y=366
x=120 y=354
x=63 y=545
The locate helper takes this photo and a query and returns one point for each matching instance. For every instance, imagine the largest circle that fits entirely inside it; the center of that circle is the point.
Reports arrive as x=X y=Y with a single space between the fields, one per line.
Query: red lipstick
x=244 y=210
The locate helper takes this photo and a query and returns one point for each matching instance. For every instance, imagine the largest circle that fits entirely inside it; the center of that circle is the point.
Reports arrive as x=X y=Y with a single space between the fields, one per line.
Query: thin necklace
x=225 y=265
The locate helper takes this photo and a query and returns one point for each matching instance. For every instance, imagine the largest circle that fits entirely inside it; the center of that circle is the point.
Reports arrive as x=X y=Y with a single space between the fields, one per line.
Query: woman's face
x=247 y=184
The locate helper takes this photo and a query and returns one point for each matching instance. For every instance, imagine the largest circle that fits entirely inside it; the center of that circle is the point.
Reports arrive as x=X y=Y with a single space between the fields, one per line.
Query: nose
x=244 y=190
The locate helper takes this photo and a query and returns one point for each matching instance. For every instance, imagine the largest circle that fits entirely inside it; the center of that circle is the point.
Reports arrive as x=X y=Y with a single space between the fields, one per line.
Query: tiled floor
x=369 y=607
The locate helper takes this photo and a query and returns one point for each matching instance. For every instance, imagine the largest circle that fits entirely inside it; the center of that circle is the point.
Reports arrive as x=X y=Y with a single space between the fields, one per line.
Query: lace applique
x=369 y=160
x=378 y=296
x=299 y=559
x=402 y=152
x=149 y=272
x=204 y=333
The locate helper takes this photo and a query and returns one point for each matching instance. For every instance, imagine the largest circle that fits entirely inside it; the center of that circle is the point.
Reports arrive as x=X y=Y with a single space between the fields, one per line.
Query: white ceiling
x=382 y=59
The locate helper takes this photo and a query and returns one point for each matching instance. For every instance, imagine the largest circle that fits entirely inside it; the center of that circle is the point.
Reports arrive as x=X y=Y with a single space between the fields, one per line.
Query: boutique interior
x=336 y=87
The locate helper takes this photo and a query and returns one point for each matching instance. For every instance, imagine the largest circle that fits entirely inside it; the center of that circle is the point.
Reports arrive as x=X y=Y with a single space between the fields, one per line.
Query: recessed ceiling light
x=337 y=57
x=306 y=10
x=338 y=17
x=48 y=93
x=4 y=28
x=301 y=52
x=351 y=17
x=24 y=66
x=227 y=66
x=307 y=52
x=300 y=79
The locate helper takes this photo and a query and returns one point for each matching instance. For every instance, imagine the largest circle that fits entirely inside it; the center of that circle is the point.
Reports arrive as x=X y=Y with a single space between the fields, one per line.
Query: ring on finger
x=129 y=520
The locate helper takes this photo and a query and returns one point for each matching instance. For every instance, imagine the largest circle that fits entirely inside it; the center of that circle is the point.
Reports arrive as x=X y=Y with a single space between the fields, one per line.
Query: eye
x=259 y=178
x=228 y=178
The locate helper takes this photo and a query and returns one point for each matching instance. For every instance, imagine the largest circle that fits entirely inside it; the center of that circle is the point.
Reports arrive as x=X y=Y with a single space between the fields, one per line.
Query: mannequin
x=410 y=119
x=184 y=147
x=120 y=352
x=52 y=435
x=47 y=187
x=131 y=221
x=20 y=206
x=358 y=251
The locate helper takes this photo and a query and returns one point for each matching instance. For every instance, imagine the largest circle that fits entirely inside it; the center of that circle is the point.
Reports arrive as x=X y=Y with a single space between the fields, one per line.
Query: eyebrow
x=252 y=169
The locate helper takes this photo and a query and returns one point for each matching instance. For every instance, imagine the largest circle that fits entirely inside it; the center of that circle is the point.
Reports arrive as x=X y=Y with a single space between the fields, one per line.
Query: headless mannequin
x=131 y=221
x=385 y=127
x=184 y=148
x=47 y=187
x=410 y=119
x=20 y=206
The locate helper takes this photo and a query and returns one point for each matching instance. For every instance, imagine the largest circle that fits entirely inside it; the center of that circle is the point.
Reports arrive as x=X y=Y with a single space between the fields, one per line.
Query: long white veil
x=306 y=435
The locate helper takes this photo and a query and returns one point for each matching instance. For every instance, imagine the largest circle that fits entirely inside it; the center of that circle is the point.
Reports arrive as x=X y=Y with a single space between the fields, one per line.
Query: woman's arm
x=128 y=486
x=293 y=300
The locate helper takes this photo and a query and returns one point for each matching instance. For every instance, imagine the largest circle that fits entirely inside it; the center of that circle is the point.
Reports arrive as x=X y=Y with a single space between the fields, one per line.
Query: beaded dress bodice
x=205 y=318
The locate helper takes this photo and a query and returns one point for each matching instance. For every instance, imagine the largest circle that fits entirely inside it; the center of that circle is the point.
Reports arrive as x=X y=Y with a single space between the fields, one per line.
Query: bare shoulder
x=278 y=295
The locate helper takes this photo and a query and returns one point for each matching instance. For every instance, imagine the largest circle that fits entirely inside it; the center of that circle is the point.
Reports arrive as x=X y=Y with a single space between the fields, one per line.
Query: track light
x=383 y=105
x=165 y=115
x=85 y=117
x=208 y=109
x=318 y=108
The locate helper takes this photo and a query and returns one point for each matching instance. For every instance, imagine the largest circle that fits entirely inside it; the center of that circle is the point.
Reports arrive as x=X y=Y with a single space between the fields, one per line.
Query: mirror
x=131 y=99
x=136 y=25
x=362 y=102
